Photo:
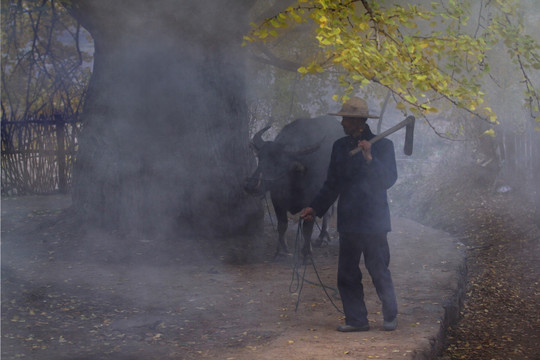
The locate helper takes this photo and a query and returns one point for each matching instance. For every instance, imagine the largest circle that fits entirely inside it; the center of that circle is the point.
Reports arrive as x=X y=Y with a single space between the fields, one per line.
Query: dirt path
x=66 y=298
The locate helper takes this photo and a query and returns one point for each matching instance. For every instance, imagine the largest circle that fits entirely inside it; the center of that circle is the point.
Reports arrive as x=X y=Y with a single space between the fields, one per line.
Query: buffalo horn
x=257 y=142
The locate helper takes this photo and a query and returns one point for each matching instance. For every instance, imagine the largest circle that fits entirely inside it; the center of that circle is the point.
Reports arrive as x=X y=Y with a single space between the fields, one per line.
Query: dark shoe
x=350 y=328
x=390 y=325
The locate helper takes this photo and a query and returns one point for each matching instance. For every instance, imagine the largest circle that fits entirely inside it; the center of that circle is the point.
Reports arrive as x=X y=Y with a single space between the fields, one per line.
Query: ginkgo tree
x=426 y=55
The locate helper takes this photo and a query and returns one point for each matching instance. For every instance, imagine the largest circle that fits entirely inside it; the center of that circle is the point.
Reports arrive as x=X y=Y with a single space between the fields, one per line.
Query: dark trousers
x=376 y=258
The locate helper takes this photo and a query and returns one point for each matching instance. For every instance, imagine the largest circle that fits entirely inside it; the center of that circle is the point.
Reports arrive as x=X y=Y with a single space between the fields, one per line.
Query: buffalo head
x=278 y=164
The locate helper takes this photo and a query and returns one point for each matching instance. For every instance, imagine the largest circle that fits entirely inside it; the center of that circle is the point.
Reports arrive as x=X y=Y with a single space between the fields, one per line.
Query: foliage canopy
x=425 y=55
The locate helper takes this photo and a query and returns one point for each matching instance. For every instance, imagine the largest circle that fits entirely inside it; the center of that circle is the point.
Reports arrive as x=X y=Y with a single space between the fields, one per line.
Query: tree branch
x=271 y=59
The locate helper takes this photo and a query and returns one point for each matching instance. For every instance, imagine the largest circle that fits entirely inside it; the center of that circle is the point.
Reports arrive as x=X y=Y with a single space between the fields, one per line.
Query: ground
x=500 y=319
x=82 y=299
x=96 y=295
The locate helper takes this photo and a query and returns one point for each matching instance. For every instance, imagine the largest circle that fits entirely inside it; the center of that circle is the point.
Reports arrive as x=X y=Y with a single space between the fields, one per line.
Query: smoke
x=164 y=154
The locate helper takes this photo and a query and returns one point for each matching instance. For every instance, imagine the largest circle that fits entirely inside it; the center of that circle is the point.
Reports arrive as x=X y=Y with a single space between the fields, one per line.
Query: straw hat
x=355 y=107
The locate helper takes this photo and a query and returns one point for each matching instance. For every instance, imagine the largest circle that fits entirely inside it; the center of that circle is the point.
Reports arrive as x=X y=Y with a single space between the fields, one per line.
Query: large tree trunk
x=165 y=124
x=536 y=172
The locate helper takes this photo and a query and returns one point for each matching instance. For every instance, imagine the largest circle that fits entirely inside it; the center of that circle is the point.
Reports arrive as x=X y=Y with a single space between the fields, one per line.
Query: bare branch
x=270 y=59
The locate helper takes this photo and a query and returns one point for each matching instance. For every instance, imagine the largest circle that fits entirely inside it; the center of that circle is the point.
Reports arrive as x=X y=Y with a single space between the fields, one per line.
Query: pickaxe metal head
x=409 y=135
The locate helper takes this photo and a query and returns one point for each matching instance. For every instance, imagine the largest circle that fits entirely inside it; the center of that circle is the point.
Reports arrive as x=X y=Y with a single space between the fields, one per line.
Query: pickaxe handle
x=409 y=132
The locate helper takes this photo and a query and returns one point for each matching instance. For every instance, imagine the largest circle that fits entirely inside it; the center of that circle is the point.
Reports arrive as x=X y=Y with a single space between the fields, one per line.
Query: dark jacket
x=363 y=203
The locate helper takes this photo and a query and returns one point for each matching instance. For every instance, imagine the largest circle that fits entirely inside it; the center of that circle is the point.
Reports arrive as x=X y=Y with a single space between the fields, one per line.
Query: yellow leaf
x=490 y=132
x=400 y=106
x=363 y=26
x=316 y=68
x=411 y=98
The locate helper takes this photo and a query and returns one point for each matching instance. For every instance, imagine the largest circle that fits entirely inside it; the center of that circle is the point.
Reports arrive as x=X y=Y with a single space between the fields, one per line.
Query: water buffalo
x=293 y=168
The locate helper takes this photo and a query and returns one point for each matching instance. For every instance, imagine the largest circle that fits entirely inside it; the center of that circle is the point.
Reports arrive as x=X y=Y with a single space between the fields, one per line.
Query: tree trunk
x=536 y=172
x=165 y=138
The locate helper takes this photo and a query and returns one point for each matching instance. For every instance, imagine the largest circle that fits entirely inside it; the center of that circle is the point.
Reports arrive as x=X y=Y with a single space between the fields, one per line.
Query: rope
x=300 y=280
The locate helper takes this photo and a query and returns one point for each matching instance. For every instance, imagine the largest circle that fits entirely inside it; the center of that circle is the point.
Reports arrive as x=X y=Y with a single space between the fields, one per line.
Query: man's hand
x=365 y=146
x=308 y=214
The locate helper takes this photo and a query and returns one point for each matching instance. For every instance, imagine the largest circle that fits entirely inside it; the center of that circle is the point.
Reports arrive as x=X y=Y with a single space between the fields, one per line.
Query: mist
x=172 y=259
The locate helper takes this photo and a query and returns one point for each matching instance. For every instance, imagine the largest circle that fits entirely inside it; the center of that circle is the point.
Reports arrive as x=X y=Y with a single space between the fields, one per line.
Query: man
x=361 y=182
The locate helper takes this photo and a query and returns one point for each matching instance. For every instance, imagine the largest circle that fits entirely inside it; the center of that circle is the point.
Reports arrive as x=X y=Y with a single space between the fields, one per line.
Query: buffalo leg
x=282 y=223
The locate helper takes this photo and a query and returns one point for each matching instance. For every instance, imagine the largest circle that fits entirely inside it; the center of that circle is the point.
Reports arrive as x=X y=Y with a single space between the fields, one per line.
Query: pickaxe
x=408 y=123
